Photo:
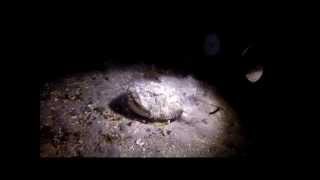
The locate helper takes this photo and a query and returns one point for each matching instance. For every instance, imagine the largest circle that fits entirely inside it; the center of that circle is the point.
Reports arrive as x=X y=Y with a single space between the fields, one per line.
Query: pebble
x=78 y=92
x=168 y=132
x=72 y=98
x=135 y=131
x=90 y=106
x=122 y=127
x=204 y=121
x=99 y=109
x=139 y=142
x=106 y=115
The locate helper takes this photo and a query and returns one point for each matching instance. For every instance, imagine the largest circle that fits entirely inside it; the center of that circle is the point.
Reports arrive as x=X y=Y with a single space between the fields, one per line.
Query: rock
x=123 y=127
x=168 y=132
x=204 y=121
x=72 y=97
x=90 y=106
x=78 y=92
x=129 y=123
x=161 y=131
x=139 y=142
x=108 y=138
x=87 y=115
x=106 y=115
x=99 y=109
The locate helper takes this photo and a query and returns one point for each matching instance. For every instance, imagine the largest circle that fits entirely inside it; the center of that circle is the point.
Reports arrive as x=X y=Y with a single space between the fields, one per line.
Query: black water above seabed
x=181 y=51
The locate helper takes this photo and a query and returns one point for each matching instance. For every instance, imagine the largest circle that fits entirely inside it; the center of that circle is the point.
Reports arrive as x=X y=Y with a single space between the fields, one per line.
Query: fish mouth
x=136 y=106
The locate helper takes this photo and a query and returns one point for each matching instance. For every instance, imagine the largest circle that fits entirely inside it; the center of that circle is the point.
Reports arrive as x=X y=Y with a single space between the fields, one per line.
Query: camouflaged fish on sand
x=156 y=101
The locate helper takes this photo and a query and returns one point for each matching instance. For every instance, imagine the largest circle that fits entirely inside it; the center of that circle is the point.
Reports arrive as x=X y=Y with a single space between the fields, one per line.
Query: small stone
x=115 y=119
x=135 y=131
x=108 y=138
x=74 y=117
x=78 y=92
x=87 y=115
x=56 y=99
x=168 y=132
x=72 y=98
x=161 y=132
x=106 y=115
x=139 y=142
x=90 y=106
x=122 y=127
x=99 y=109
x=204 y=121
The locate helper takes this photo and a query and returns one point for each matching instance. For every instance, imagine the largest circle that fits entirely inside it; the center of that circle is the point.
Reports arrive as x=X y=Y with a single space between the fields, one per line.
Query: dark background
x=77 y=45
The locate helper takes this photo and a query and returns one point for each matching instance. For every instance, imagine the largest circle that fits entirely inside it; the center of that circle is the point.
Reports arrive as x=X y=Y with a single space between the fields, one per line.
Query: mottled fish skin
x=135 y=105
x=164 y=111
x=170 y=116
